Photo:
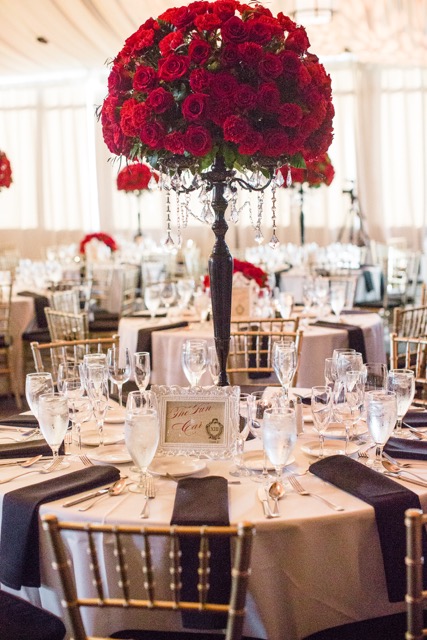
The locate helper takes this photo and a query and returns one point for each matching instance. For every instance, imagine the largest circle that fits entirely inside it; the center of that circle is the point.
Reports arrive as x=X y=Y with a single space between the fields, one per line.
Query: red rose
x=199 y=79
x=119 y=79
x=140 y=114
x=290 y=115
x=160 y=100
x=224 y=10
x=199 y=51
x=251 y=144
x=169 y=43
x=250 y=52
x=197 y=140
x=285 y=22
x=268 y=97
x=152 y=134
x=145 y=79
x=298 y=40
x=179 y=17
x=229 y=55
x=126 y=118
x=258 y=32
x=110 y=108
x=140 y=40
x=194 y=106
x=223 y=84
x=290 y=61
x=270 y=66
x=234 y=30
x=236 y=129
x=207 y=22
x=173 y=67
x=275 y=143
x=245 y=97
x=5 y=171
x=174 y=142
x=135 y=177
x=218 y=110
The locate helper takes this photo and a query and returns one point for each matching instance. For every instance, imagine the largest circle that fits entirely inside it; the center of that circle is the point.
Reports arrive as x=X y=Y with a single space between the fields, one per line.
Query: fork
x=363 y=455
x=150 y=493
x=87 y=462
x=299 y=489
x=52 y=467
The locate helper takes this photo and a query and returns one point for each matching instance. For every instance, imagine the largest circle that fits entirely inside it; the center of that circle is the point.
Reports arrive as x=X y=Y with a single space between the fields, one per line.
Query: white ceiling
x=83 y=34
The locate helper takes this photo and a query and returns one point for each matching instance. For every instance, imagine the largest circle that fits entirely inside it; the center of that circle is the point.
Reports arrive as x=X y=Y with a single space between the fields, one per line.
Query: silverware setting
x=52 y=467
x=150 y=493
x=399 y=473
x=302 y=492
x=263 y=497
x=115 y=489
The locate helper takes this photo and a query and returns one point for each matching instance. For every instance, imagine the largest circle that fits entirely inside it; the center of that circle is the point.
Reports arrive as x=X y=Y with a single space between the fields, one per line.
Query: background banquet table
x=21 y=314
x=311 y=568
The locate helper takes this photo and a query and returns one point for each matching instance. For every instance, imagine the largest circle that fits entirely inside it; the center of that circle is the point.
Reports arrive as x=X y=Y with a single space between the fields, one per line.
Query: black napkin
x=403 y=448
x=27 y=449
x=415 y=419
x=144 y=335
x=19 y=542
x=355 y=335
x=40 y=302
x=369 y=282
x=201 y=501
x=389 y=500
x=20 y=421
x=355 y=312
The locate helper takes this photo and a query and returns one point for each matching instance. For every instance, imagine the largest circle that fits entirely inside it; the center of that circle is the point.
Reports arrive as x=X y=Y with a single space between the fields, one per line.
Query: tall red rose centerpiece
x=5 y=171
x=216 y=96
x=136 y=178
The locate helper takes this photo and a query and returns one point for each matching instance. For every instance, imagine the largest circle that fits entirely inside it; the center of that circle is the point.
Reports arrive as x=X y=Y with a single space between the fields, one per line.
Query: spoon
x=115 y=490
x=394 y=468
x=276 y=491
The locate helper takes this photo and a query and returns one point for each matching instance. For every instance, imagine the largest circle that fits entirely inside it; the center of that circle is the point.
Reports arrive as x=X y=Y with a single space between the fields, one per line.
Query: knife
x=405 y=479
x=88 y=496
x=263 y=498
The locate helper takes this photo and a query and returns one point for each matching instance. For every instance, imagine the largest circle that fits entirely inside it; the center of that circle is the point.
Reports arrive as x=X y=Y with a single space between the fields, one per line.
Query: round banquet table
x=312 y=568
x=318 y=343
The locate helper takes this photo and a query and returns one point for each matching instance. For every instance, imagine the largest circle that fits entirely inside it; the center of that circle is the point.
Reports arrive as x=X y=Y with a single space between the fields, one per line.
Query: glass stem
x=398 y=427
x=100 y=425
x=347 y=426
x=378 y=457
x=322 y=440
x=79 y=435
x=120 y=388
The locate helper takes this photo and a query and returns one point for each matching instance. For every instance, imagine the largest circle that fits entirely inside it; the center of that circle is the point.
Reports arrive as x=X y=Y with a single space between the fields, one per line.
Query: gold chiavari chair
x=411 y=353
x=416 y=596
x=6 y=342
x=410 y=321
x=67 y=326
x=265 y=324
x=160 y=588
x=67 y=301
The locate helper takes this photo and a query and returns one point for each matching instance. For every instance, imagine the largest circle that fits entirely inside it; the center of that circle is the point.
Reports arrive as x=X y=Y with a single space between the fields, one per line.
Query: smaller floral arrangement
x=135 y=177
x=5 y=171
x=248 y=270
x=100 y=237
x=316 y=173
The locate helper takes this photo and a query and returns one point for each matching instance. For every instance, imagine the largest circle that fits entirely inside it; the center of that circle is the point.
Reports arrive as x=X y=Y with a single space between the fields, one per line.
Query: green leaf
x=297 y=161
x=229 y=156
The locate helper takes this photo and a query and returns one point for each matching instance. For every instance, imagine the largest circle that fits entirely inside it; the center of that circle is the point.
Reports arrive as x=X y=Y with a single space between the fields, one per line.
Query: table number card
x=243 y=297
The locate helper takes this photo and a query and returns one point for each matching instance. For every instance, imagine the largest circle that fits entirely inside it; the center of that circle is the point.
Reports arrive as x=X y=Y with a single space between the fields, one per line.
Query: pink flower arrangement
x=5 y=171
x=102 y=237
x=316 y=173
x=218 y=77
x=135 y=177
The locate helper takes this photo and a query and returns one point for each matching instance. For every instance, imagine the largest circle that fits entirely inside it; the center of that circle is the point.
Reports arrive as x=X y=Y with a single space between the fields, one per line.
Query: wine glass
x=194 y=360
x=141 y=400
x=321 y=410
x=97 y=391
x=142 y=369
x=89 y=359
x=241 y=433
x=348 y=362
x=37 y=384
x=279 y=437
x=257 y=405
x=375 y=376
x=80 y=408
x=185 y=288
x=381 y=415
x=213 y=364
x=202 y=304
x=142 y=433
x=152 y=298
x=118 y=369
x=330 y=372
x=67 y=371
x=348 y=397
x=285 y=363
x=168 y=294
x=337 y=297
x=53 y=419
x=402 y=382
x=285 y=304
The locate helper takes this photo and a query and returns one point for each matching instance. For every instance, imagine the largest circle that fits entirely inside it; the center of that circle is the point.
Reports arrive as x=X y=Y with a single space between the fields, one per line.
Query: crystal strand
x=289 y=177
x=258 y=235
x=234 y=214
x=186 y=211
x=168 y=243
x=274 y=239
x=178 y=221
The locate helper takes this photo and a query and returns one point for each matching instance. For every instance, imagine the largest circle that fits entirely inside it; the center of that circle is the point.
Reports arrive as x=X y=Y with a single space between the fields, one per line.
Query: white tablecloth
x=312 y=568
x=22 y=312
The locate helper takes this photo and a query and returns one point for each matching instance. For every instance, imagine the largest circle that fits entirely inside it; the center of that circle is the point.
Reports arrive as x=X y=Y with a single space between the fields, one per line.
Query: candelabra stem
x=301 y=216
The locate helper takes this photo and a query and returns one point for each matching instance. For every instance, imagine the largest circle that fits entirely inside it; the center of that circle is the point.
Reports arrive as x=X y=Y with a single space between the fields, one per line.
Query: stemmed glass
x=375 y=376
x=330 y=372
x=348 y=397
x=53 y=419
x=381 y=414
x=241 y=433
x=119 y=369
x=142 y=369
x=279 y=436
x=37 y=384
x=202 y=304
x=321 y=410
x=185 y=288
x=152 y=298
x=257 y=406
x=79 y=406
x=337 y=297
x=402 y=382
x=168 y=294
x=194 y=360
x=348 y=362
x=67 y=372
x=97 y=390
x=285 y=363
x=142 y=432
x=93 y=359
x=213 y=364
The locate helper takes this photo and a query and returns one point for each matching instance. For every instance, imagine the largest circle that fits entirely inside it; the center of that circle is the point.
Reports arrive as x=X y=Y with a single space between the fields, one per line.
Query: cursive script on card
x=197 y=422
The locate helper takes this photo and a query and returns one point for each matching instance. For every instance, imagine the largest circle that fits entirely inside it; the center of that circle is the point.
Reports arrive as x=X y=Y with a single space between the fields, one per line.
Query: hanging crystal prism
x=186 y=178
x=176 y=181
x=274 y=242
x=169 y=243
x=279 y=180
x=274 y=239
x=152 y=183
x=289 y=177
x=228 y=193
x=185 y=211
x=166 y=182
x=259 y=238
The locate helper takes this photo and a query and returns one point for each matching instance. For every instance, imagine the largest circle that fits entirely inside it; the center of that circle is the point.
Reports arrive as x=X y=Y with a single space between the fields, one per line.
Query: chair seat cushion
x=140 y=634
x=20 y=620
x=391 y=627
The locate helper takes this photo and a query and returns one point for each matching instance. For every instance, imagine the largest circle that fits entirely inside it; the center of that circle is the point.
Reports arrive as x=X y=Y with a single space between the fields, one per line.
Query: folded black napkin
x=415 y=419
x=19 y=542
x=144 y=335
x=355 y=335
x=40 y=302
x=389 y=500
x=403 y=448
x=201 y=501
x=20 y=421
x=26 y=449
x=355 y=312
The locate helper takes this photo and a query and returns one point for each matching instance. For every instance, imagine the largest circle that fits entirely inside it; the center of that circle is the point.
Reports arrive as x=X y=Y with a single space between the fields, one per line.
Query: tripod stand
x=354 y=223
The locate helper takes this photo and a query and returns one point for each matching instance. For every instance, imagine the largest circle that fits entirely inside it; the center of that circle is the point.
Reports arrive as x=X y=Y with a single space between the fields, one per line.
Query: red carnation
x=225 y=9
x=207 y=22
x=268 y=97
x=245 y=97
x=298 y=40
x=126 y=118
x=275 y=143
x=290 y=115
x=250 y=144
x=174 y=142
x=5 y=171
x=173 y=67
x=236 y=129
x=119 y=79
x=135 y=177
x=199 y=79
x=145 y=78
x=142 y=39
x=234 y=30
x=102 y=237
x=140 y=114
x=250 y=52
x=198 y=140
x=223 y=84
x=270 y=66
x=194 y=106
x=160 y=100
x=169 y=43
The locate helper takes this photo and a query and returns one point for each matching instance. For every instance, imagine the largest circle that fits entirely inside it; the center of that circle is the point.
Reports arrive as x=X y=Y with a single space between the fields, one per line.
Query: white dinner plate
x=337 y=430
x=331 y=448
x=176 y=466
x=110 y=455
x=115 y=416
x=254 y=460
x=91 y=438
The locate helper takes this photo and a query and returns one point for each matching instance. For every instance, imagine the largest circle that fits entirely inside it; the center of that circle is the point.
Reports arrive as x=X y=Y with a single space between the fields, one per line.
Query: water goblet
x=321 y=410
x=194 y=360
x=241 y=433
x=141 y=400
x=142 y=369
x=257 y=405
x=402 y=382
x=119 y=369
x=285 y=363
x=80 y=409
x=142 y=432
x=90 y=359
x=35 y=385
x=381 y=414
x=213 y=364
x=337 y=297
x=152 y=298
x=53 y=418
x=168 y=294
x=97 y=391
x=279 y=437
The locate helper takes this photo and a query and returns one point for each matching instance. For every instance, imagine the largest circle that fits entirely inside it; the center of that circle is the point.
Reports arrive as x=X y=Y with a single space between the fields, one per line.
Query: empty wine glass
x=168 y=294
x=285 y=363
x=330 y=372
x=402 y=382
x=202 y=304
x=279 y=436
x=67 y=371
x=37 y=384
x=118 y=369
x=337 y=297
x=321 y=410
x=213 y=364
x=152 y=298
x=53 y=419
x=381 y=414
x=89 y=359
x=142 y=433
x=185 y=288
x=257 y=405
x=241 y=433
x=194 y=360
x=142 y=369
x=80 y=409
x=375 y=376
x=97 y=391
x=348 y=362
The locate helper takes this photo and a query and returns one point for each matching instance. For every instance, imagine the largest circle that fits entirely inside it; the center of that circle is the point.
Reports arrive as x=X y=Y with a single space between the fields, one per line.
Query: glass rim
x=380 y=392
x=400 y=371
x=34 y=374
